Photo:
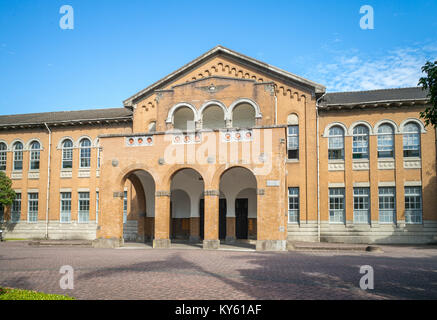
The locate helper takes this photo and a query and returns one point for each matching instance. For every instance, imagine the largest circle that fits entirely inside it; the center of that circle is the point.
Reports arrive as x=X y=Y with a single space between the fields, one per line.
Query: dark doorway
x=222 y=218
x=201 y=217
x=241 y=218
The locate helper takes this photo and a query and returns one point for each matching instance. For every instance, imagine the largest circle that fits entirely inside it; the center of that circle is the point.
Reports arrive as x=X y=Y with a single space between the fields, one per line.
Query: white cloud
x=353 y=71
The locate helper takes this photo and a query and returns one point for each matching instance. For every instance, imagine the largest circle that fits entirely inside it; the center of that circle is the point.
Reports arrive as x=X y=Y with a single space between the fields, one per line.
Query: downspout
x=48 y=181
x=318 y=167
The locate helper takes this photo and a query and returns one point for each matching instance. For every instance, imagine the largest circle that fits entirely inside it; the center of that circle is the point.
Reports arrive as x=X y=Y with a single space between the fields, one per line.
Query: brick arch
x=224 y=168
x=125 y=172
x=167 y=178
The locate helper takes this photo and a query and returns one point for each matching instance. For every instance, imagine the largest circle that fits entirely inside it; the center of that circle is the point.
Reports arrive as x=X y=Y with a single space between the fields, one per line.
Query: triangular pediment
x=221 y=61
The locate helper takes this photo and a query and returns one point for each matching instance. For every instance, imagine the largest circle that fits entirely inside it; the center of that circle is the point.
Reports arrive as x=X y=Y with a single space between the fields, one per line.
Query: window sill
x=292 y=160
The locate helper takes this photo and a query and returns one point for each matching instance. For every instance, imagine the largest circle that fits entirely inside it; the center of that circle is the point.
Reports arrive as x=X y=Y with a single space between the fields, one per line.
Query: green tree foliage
x=7 y=194
x=430 y=83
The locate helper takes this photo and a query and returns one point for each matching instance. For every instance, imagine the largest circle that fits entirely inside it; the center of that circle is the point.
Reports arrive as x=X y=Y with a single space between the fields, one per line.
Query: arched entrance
x=187 y=187
x=138 y=206
x=238 y=185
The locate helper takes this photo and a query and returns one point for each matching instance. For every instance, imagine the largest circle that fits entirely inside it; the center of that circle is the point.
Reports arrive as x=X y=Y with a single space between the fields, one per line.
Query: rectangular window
x=3 y=157
x=360 y=146
x=125 y=207
x=411 y=145
x=293 y=205
x=65 y=207
x=18 y=160
x=336 y=205
x=361 y=205
x=84 y=207
x=413 y=204
x=293 y=142
x=32 y=207
x=34 y=160
x=16 y=208
x=387 y=205
x=85 y=157
x=336 y=147
x=97 y=206
x=67 y=158
x=385 y=146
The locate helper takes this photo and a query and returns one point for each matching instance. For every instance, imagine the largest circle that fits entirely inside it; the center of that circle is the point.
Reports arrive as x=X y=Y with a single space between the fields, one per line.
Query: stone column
x=162 y=220
x=211 y=224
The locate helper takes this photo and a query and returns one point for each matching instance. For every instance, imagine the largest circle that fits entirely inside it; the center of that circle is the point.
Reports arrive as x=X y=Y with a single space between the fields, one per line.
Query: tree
x=430 y=83
x=7 y=194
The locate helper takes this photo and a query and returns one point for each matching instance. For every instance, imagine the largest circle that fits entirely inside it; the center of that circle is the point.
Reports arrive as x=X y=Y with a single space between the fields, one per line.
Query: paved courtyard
x=400 y=272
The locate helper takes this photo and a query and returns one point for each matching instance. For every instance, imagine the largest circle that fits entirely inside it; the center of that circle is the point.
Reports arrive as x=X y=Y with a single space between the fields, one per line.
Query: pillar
x=162 y=220
x=211 y=224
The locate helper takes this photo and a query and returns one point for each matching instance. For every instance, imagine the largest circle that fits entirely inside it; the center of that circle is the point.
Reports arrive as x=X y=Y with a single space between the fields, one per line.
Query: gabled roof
x=245 y=60
x=65 y=117
x=374 y=98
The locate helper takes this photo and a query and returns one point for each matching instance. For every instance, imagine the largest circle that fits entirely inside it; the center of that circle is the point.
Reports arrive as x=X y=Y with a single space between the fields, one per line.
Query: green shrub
x=19 y=294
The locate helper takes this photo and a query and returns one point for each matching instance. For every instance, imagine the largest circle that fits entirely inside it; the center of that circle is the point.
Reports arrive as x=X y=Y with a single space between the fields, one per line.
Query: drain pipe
x=48 y=180
x=318 y=167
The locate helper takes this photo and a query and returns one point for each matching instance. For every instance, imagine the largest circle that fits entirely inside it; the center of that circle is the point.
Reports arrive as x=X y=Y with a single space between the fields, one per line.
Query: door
x=241 y=218
x=222 y=219
x=201 y=217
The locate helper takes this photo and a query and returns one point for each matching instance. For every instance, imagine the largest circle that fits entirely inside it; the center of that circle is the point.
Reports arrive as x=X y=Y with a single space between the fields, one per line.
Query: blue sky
x=120 y=47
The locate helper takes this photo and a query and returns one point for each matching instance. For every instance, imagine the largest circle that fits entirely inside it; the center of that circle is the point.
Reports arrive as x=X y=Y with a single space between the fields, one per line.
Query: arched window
x=243 y=116
x=67 y=154
x=336 y=143
x=385 y=141
x=3 y=155
x=411 y=137
x=360 y=142
x=85 y=153
x=35 y=148
x=213 y=117
x=183 y=119
x=18 y=156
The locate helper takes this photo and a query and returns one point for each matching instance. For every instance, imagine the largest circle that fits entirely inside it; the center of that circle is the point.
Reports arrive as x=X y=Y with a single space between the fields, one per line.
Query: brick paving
x=401 y=272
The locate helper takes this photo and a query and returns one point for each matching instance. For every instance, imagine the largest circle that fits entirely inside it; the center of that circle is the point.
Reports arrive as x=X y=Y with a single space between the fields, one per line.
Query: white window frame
x=411 y=139
x=125 y=206
x=293 y=141
x=413 y=215
x=35 y=155
x=387 y=205
x=337 y=215
x=293 y=205
x=361 y=205
x=65 y=207
x=67 y=155
x=32 y=204
x=83 y=208
x=3 y=156
x=333 y=142
x=16 y=208
x=18 y=156
x=385 y=141
x=360 y=143
x=85 y=154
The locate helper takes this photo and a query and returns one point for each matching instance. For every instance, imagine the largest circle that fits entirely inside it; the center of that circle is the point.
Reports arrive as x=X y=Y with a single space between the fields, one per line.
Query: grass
x=19 y=294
